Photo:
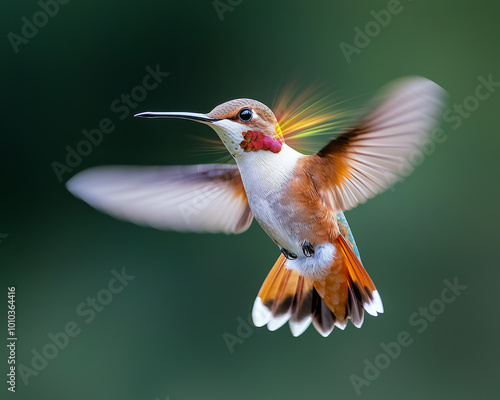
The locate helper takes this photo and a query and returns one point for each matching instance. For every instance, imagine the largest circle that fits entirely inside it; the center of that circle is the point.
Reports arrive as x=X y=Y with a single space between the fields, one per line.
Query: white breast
x=265 y=177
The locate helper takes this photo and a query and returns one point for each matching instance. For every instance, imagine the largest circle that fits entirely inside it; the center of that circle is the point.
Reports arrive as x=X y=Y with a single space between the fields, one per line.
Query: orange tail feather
x=347 y=289
x=342 y=294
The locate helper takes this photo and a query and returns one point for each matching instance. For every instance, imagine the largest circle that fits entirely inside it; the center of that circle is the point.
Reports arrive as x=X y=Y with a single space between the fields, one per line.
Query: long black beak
x=184 y=115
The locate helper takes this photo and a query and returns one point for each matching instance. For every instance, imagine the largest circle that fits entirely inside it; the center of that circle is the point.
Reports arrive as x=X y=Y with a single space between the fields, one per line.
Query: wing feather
x=198 y=198
x=376 y=152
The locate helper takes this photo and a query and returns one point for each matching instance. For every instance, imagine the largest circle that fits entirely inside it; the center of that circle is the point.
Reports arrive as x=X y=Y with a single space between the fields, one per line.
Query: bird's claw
x=307 y=249
x=288 y=254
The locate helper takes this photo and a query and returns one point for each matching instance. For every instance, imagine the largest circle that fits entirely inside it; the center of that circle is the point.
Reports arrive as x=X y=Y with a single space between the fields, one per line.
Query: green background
x=163 y=335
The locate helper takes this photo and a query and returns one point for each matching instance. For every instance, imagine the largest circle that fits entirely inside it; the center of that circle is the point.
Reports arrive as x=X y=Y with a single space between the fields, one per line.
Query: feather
x=198 y=198
x=376 y=152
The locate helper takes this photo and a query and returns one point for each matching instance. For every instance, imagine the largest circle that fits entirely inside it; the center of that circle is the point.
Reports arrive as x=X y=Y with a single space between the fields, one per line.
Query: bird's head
x=243 y=125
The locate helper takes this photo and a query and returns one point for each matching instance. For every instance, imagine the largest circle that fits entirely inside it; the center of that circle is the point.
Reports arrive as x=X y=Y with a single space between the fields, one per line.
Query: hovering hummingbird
x=297 y=199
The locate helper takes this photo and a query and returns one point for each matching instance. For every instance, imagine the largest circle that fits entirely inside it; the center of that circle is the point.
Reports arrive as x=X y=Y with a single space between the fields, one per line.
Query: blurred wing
x=198 y=198
x=374 y=154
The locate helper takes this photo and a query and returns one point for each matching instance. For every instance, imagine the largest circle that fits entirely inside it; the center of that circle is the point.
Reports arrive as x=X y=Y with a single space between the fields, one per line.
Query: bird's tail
x=341 y=294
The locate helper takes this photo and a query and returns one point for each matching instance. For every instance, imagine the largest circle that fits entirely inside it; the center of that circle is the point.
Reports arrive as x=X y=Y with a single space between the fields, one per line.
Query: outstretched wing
x=198 y=198
x=375 y=153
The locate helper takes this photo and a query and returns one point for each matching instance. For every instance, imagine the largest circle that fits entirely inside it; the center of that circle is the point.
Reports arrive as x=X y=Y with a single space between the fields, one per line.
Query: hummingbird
x=299 y=200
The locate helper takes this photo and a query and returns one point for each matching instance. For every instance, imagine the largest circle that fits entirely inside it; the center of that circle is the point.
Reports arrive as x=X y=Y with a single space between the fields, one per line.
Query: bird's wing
x=381 y=148
x=198 y=198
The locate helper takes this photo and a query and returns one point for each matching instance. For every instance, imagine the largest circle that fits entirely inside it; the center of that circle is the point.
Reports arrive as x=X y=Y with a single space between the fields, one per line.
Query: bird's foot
x=307 y=249
x=288 y=254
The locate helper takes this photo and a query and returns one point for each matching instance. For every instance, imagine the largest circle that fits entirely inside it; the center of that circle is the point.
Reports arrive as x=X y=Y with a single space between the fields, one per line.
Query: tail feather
x=323 y=318
x=275 y=298
x=284 y=296
x=343 y=293
x=302 y=305
x=364 y=290
x=347 y=289
x=356 y=310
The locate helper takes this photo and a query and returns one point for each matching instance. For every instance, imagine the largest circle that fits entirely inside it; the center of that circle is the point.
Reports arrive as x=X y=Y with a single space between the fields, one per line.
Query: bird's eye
x=245 y=114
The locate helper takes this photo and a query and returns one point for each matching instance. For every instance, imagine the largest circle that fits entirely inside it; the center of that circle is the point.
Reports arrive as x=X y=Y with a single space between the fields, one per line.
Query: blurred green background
x=162 y=336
